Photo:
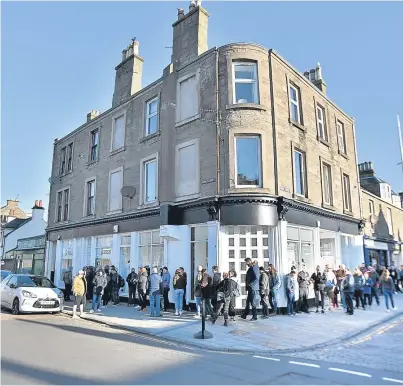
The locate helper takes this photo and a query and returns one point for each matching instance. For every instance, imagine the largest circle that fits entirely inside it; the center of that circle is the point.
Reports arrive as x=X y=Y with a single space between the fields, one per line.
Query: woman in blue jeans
x=388 y=288
x=179 y=283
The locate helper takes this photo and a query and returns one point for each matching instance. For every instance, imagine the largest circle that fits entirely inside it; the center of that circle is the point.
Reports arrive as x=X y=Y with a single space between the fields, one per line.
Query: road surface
x=47 y=349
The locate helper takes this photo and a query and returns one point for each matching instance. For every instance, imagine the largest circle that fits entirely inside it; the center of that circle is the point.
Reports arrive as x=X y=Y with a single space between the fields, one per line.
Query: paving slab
x=280 y=334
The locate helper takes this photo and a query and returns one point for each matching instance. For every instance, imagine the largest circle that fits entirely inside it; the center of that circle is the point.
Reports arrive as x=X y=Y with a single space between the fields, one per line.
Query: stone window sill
x=327 y=206
x=298 y=125
x=113 y=152
x=149 y=205
x=114 y=212
x=150 y=136
x=90 y=163
x=348 y=212
x=246 y=106
x=187 y=120
x=343 y=155
x=301 y=198
x=323 y=141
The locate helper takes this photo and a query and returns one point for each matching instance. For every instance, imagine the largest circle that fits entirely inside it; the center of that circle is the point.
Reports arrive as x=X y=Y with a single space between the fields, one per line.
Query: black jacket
x=319 y=280
x=207 y=286
x=179 y=281
x=216 y=282
x=227 y=287
x=132 y=279
x=304 y=279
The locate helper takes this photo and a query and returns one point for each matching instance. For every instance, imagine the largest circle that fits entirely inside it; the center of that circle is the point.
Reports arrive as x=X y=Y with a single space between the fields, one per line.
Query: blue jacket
x=252 y=277
x=359 y=281
x=166 y=279
x=368 y=286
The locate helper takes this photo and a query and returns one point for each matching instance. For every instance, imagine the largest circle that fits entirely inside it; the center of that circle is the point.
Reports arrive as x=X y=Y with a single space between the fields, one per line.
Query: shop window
x=151 y=249
x=231 y=266
x=124 y=258
x=243 y=254
x=103 y=251
x=231 y=242
x=198 y=251
x=231 y=254
x=328 y=251
x=242 y=242
x=67 y=256
x=300 y=248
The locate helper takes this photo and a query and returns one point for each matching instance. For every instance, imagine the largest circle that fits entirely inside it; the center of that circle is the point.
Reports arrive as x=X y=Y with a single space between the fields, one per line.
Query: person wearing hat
x=79 y=291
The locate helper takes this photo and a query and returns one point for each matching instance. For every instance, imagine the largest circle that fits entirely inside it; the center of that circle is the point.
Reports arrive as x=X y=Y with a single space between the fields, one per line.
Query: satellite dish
x=128 y=191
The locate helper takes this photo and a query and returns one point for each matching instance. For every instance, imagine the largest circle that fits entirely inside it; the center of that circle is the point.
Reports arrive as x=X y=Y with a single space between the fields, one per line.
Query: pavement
x=47 y=349
x=278 y=335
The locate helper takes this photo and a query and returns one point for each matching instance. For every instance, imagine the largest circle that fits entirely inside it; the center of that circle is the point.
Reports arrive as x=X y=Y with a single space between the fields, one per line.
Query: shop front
x=376 y=253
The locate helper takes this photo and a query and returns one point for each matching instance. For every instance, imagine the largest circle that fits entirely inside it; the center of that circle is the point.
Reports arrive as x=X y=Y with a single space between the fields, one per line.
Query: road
x=47 y=349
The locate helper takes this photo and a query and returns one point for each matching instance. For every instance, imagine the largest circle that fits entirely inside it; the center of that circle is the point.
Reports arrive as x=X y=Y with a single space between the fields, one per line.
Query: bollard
x=203 y=334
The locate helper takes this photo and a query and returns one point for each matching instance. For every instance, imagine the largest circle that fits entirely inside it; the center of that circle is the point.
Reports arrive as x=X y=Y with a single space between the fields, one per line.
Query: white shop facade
x=229 y=231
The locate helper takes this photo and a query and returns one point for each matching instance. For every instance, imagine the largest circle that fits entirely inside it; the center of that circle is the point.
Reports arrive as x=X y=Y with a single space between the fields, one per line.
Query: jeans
x=96 y=302
x=115 y=295
x=251 y=301
x=303 y=300
x=265 y=304
x=322 y=299
x=179 y=299
x=374 y=292
x=67 y=291
x=198 y=304
x=166 y=299
x=330 y=294
x=155 y=303
x=132 y=293
x=368 y=299
x=349 y=302
x=273 y=300
x=388 y=294
x=290 y=302
x=343 y=299
x=359 y=296
x=107 y=295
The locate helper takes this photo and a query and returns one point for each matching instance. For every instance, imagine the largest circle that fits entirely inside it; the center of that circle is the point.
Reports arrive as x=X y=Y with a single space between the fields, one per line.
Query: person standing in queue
x=252 y=287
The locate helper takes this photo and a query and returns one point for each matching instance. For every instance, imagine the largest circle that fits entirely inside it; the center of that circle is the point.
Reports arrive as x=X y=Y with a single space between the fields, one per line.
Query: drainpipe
x=357 y=171
x=273 y=117
x=218 y=129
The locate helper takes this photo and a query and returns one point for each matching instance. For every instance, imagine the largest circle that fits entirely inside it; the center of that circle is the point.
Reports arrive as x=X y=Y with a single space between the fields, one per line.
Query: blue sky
x=58 y=63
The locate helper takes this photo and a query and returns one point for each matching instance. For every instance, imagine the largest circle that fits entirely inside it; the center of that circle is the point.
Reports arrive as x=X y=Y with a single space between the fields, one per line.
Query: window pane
x=327 y=193
x=115 y=198
x=188 y=98
x=248 y=161
x=299 y=173
x=145 y=238
x=245 y=92
x=245 y=71
x=150 y=183
x=156 y=237
x=294 y=112
x=152 y=107
x=118 y=133
x=152 y=124
x=199 y=233
x=293 y=94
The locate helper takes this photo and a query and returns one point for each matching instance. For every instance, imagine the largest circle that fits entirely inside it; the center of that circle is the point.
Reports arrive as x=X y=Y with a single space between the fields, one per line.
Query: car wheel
x=16 y=307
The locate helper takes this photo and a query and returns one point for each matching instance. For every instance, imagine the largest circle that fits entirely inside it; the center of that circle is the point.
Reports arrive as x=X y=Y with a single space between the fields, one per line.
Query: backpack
x=121 y=282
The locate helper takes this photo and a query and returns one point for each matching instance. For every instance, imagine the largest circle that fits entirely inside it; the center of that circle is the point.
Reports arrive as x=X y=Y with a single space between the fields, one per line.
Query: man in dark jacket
x=319 y=280
x=115 y=280
x=304 y=281
x=252 y=287
x=347 y=286
x=375 y=283
x=216 y=282
x=132 y=279
x=264 y=290
x=142 y=289
x=226 y=289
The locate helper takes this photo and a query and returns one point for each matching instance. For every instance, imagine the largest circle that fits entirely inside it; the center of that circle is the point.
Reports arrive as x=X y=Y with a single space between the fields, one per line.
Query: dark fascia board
x=149 y=213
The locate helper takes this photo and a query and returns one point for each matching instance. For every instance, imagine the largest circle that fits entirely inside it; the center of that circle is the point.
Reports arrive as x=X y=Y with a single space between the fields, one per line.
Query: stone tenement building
x=232 y=153
x=383 y=214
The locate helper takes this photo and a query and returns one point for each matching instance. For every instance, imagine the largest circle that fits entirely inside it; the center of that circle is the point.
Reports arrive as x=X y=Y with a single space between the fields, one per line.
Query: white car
x=30 y=293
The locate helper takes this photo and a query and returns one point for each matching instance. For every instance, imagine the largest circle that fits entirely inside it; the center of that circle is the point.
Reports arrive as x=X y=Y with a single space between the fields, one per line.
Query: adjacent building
x=231 y=153
x=383 y=214
x=24 y=243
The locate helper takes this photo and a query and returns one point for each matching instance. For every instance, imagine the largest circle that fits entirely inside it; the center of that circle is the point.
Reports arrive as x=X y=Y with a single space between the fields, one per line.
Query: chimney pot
x=312 y=75
x=40 y=204
x=318 y=72
x=36 y=202
x=92 y=114
x=192 y=6
x=124 y=54
x=181 y=14
x=306 y=74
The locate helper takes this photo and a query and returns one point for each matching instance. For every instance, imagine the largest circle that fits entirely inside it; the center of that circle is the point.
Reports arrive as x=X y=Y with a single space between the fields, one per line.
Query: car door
x=3 y=292
x=10 y=290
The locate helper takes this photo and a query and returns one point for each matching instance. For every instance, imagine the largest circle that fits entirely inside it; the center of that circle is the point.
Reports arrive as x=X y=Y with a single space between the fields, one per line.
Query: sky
x=58 y=61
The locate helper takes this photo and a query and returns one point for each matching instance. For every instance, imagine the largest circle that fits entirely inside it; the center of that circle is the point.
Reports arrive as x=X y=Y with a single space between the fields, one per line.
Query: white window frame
x=179 y=120
x=323 y=164
x=63 y=205
x=92 y=132
x=259 y=137
x=69 y=156
x=341 y=137
x=322 y=134
x=85 y=205
x=119 y=210
x=149 y=116
x=143 y=162
x=304 y=174
x=389 y=220
x=295 y=103
x=193 y=142
x=63 y=159
x=371 y=207
x=114 y=117
x=249 y=81
x=346 y=192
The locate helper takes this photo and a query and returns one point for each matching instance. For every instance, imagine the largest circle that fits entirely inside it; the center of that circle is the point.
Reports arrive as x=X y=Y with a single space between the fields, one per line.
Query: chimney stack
x=366 y=169
x=128 y=73
x=315 y=76
x=92 y=114
x=189 y=35
x=38 y=210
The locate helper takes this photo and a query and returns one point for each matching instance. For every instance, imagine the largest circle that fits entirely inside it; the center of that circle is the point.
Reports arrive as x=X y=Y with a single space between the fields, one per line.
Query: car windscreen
x=4 y=274
x=35 y=281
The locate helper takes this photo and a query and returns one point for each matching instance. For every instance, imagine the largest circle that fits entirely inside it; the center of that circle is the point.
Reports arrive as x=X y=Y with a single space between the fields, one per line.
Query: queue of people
x=219 y=291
